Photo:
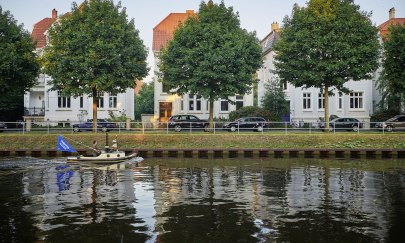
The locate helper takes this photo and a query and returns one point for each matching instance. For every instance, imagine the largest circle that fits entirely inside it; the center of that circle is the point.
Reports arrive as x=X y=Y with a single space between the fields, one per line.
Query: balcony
x=34 y=111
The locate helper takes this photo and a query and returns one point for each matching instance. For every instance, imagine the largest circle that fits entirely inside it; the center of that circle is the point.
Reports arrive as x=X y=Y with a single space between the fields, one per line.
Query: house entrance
x=165 y=111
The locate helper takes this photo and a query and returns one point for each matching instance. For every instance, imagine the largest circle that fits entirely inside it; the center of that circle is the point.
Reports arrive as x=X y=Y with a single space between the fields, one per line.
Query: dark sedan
x=180 y=122
x=396 y=122
x=102 y=125
x=344 y=123
x=247 y=123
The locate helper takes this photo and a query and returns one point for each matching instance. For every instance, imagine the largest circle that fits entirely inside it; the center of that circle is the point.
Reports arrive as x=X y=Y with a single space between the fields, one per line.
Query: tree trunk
x=95 y=99
x=326 y=94
x=211 y=120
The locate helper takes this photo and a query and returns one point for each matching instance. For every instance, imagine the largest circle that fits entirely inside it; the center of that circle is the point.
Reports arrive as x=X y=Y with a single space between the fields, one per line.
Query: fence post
x=285 y=125
x=143 y=128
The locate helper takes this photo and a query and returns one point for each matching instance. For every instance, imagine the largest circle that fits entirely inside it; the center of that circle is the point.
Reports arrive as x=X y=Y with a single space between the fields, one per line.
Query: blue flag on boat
x=64 y=145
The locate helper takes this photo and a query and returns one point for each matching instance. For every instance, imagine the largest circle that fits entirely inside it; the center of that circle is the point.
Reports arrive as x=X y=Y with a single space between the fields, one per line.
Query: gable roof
x=384 y=26
x=38 y=33
x=163 y=32
x=268 y=42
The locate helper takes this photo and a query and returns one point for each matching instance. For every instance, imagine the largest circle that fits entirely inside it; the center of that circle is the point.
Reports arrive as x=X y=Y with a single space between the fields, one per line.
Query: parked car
x=179 y=122
x=245 y=123
x=343 y=123
x=102 y=125
x=396 y=122
x=3 y=126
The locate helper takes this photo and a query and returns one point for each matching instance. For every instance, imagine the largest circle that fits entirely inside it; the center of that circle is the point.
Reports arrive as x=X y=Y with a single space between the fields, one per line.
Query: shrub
x=249 y=111
x=383 y=115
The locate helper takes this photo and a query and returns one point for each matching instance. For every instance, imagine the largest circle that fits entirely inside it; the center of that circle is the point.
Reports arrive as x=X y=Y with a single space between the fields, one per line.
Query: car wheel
x=355 y=128
x=232 y=129
x=76 y=129
x=104 y=129
x=259 y=129
x=177 y=128
x=206 y=129
x=389 y=128
x=330 y=129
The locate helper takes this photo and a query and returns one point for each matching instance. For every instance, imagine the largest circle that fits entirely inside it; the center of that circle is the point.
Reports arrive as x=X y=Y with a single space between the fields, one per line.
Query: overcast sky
x=255 y=15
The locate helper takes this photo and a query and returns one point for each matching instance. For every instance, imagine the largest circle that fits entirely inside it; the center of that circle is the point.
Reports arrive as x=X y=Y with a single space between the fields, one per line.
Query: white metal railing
x=218 y=127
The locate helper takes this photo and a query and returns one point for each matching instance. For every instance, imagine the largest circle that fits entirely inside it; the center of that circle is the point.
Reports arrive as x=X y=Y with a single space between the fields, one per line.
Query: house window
x=100 y=100
x=306 y=101
x=208 y=106
x=285 y=85
x=356 y=100
x=165 y=88
x=340 y=101
x=321 y=101
x=182 y=104
x=224 y=105
x=81 y=102
x=112 y=101
x=194 y=103
x=63 y=101
x=239 y=101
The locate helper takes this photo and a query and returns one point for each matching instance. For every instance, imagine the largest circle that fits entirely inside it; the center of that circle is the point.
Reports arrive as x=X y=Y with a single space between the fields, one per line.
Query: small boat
x=106 y=156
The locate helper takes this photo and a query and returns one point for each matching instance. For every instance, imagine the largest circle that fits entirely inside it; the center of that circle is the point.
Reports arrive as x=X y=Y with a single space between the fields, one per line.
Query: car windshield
x=393 y=118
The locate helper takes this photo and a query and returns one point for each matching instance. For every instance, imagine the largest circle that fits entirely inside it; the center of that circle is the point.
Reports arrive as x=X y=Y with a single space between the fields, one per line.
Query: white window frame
x=63 y=101
x=195 y=103
x=100 y=100
x=306 y=101
x=321 y=101
x=356 y=100
x=238 y=101
x=340 y=101
x=224 y=102
x=112 y=101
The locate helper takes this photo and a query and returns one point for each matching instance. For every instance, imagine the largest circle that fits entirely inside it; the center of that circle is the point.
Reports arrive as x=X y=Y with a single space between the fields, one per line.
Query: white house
x=42 y=104
x=307 y=105
x=166 y=104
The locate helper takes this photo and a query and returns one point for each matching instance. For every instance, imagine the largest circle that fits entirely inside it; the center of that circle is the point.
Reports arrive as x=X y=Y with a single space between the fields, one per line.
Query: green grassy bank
x=203 y=140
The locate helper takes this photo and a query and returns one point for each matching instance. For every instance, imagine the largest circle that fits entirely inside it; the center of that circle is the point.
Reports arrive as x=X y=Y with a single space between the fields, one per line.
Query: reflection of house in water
x=86 y=196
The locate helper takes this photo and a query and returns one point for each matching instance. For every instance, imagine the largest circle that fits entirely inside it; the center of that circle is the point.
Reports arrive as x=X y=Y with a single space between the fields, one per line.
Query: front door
x=165 y=111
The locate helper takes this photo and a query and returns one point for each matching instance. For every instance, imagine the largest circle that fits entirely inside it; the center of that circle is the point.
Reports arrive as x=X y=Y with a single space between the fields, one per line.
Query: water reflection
x=202 y=201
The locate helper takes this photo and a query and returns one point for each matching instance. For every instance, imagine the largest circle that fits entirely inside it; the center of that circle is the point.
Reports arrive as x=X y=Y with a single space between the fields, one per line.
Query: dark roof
x=268 y=42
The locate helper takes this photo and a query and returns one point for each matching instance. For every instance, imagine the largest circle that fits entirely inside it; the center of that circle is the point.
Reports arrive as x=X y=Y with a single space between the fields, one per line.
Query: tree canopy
x=18 y=62
x=326 y=44
x=274 y=100
x=95 y=49
x=144 y=101
x=392 y=79
x=211 y=55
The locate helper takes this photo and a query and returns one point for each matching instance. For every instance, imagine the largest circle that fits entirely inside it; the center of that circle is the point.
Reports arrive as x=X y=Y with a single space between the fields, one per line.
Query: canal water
x=238 y=200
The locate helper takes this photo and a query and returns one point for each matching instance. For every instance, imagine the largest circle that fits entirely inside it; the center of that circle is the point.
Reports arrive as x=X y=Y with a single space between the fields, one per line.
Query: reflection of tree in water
x=106 y=218
x=16 y=225
x=212 y=222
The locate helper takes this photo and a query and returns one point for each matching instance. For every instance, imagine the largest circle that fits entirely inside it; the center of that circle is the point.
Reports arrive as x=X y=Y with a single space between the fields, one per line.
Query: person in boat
x=114 y=146
x=96 y=152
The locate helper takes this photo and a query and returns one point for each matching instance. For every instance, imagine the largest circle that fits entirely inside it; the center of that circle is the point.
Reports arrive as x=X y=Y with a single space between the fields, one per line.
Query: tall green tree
x=392 y=80
x=211 y=55
x=326 y=44
x=95 y=49
x=18 y=62
x=274 y=100
x=144 y=101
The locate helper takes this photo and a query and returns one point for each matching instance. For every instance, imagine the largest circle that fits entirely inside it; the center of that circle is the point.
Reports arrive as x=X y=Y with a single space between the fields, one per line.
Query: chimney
x=275 y=27
x=54 y=14
x=392 y=13
x=189 y=11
